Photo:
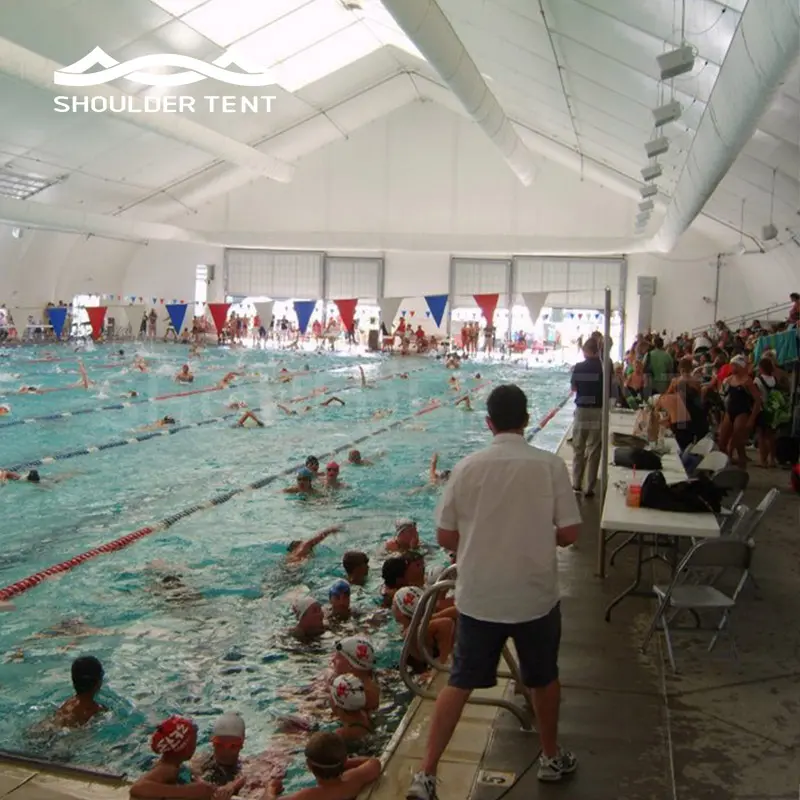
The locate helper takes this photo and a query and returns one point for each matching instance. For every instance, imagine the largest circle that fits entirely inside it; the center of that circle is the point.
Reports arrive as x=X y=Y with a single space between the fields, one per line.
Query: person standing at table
x=504 y=511
x=587 y=441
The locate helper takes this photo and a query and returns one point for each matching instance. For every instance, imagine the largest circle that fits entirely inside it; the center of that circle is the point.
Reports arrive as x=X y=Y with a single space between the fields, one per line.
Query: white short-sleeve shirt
x=506 y=502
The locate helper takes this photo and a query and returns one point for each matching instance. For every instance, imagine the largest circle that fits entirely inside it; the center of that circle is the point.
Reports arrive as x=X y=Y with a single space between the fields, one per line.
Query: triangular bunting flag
x=487 y=304
x=389 y=306
x=347 y=310
x=97 y=316
x=58 y=316
x=219 y=313
x=436 y=304
x=304 y=309
x=264 y=311
x=535 y=302
x=177 y=315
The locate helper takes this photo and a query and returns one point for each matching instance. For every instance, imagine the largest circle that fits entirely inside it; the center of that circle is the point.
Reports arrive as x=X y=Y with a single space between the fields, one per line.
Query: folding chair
x=713 y=462
x=758 y=514
x=731 y=479
x=702 y=447
x=681 y=595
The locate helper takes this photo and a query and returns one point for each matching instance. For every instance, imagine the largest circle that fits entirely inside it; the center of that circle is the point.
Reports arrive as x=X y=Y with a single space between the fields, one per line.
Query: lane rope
x=23 y=585
x=148 y=435
x=546 y=418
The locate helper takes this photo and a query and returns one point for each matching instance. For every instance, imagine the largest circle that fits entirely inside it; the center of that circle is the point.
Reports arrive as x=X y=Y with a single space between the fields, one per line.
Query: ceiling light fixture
x=651 y=172
x=667 y=113
x=649 y=190
x=657 y=147
x=646 y=205
x=676 y=62
x=19 y=186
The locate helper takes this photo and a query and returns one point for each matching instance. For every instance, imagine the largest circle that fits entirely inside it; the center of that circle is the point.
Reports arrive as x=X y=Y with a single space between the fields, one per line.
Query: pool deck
x=721 y=729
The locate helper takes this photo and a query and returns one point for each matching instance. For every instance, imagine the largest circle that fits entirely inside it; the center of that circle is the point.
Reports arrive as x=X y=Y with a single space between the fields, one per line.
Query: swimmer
x=4 y=409
x=249 y=420
x=454 y=384
x=174 y=590
x=227 y=380
x=185 y=375
x=364 y=383
x=382 y=413
x=414 y=574
x=354 y=458
x=164 y=422
x=28 y=390
x=356 y=567
x=333 y=400
x=339 y=596
x=30 y=477
x=300 y=550
x=84 y=381
x=406 y=537
x=222 y=766
x=236 y=405
x=349 y=706
x=291 y=412
x=392 y=572
x=440 y=636
x=303 y=485
x=435 y=477
x=466 y=402
x=87 y=679
x=332 y=476
x=310 y=619
x=312 y=463
x=477 y=376
x=140 y=364
x=131 y=393
x=284 y=376
x=355 y=655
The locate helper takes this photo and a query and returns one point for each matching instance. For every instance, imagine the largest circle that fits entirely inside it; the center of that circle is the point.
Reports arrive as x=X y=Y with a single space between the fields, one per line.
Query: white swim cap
x=347 y=692
x=358 y=651
x=229 y=724
x=402 y=524
x=302 y=605
x=406 y=599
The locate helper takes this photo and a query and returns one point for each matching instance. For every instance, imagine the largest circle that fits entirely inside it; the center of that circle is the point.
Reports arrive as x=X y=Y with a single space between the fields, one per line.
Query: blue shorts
x=479 y=645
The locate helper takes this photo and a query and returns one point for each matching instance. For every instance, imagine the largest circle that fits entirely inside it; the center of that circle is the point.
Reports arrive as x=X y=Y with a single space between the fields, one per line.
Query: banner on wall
x=436 y=304
x=487 y=304
x=97 y=316
x=58 y=316
x=219 y=313
x=304 y=309
x=389 y=307
x=534 y=301
x=177 y=316
x=264 y=311
x=134 y=313
x=347 y=311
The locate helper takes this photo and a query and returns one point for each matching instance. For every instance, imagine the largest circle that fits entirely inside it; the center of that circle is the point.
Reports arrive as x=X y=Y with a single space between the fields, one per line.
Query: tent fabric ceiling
x=582 y=73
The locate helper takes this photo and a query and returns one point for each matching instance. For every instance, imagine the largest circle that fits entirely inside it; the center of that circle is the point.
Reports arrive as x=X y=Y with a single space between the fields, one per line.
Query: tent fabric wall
x=273 y=273
x=347 y=278
x=570 y=283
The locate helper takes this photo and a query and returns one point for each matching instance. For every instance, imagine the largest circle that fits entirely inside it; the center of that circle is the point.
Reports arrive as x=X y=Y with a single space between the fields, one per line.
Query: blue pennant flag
x=304 y=309
x=436 y=304
x=58 y=315
x=177 y=314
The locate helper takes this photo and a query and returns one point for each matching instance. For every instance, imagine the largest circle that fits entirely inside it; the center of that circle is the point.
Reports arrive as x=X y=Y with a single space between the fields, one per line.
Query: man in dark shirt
x=587 y=383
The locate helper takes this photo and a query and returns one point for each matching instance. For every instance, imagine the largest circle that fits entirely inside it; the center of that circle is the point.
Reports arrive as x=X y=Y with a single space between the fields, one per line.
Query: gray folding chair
x=682 y=595
x=702 y=447
x=758 y=514
x=733 y=482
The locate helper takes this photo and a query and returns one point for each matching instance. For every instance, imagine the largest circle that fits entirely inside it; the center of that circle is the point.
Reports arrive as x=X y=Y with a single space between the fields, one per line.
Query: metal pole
x=512 y=292
x=451 y=285
x=716 y=289
x=324 y=287
x=601 y=538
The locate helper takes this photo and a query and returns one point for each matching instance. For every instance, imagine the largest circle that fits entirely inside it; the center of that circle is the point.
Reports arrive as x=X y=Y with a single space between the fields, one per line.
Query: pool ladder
x=416 y=632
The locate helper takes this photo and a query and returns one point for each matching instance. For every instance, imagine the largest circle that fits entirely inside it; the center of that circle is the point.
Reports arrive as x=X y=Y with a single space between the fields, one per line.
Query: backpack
x=636 y=458
x=776 y=406
x=697 y=495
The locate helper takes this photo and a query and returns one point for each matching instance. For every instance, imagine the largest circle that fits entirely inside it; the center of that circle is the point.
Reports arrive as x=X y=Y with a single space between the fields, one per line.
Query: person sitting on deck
x=87 y=680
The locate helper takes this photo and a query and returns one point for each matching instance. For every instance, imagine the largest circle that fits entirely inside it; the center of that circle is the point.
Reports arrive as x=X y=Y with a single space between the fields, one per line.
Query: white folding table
x=641 y=523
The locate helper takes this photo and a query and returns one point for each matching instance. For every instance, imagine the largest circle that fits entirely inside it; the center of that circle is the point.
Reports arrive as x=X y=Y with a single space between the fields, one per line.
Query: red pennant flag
x=97 y=316
x=219 y=313
x=347 y=310
x=487 y=304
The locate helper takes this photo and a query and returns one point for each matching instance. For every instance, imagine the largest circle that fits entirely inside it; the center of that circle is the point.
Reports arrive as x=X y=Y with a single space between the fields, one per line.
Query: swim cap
x=740 y=361
x=358 y=651
x=33 y=476
x=229 y=725
x=333 y=466
x=172 y=736
x=406 y=599
x=305 y=472
x=347 y=692
x=340 y=587
x=302 y=605
x=402 y=524
x=5 y=408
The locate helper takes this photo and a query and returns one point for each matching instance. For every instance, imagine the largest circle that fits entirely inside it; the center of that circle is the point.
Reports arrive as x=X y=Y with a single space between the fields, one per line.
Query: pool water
x=223 y=645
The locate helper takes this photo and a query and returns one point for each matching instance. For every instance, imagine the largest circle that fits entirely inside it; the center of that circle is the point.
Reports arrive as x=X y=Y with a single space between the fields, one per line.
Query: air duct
x=763 y=50
x=429 y=29
x=30 y=67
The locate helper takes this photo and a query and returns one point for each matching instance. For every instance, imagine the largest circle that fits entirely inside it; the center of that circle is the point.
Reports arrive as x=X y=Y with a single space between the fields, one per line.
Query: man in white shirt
x=505 y=511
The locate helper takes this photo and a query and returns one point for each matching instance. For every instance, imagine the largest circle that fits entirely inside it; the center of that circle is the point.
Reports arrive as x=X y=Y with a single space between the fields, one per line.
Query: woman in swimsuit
x=742 y=407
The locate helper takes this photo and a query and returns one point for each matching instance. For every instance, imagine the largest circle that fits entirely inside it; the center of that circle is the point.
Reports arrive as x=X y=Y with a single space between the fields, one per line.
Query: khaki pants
x=587 y=444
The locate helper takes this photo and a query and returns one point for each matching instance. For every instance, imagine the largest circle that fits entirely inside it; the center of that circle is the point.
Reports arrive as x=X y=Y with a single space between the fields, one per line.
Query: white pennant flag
x=134 y=314
x=535 y=302
x=389 y=306
x=264 y=311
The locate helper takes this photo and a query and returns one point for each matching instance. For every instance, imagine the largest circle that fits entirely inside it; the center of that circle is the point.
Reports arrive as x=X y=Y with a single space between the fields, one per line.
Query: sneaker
x=554 y=769
x=423 y=787
x=589 y=495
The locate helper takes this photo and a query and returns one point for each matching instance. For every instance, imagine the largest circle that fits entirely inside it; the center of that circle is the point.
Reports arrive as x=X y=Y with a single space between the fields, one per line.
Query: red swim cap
x=173 y=736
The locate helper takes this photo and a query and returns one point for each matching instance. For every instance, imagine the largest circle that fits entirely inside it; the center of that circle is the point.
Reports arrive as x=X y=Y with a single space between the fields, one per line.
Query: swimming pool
x=225 y=647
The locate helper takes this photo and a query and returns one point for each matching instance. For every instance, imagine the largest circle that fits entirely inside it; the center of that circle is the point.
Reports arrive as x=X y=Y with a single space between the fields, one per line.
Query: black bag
x=787 y=450
x=697 y=495
x=635 y=458
x=628 y=440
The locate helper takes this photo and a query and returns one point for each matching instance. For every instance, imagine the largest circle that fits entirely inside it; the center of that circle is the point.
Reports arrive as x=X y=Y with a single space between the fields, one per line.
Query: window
x=200 y=290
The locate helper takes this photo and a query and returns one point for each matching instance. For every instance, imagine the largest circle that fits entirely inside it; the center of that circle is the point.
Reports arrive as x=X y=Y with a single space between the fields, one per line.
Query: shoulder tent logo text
x=137 y=70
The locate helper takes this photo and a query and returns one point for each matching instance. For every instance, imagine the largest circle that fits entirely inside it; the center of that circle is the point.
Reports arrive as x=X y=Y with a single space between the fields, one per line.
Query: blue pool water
x=226 y=647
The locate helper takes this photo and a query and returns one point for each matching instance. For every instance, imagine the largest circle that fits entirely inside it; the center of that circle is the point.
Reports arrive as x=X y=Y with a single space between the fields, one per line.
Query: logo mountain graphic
x=136 y=69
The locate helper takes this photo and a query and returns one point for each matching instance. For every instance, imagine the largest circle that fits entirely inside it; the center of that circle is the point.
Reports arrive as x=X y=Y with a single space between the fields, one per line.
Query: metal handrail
x=422 y=614
x=740 y=319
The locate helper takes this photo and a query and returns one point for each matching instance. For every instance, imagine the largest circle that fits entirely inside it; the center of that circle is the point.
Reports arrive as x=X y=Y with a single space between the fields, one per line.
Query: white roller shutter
x=480 y=276
x=570 y=283
x=348 y=278
x=273 y=273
